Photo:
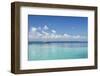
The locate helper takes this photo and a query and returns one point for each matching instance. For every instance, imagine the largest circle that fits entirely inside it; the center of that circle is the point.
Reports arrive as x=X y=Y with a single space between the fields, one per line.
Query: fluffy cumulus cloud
x=45 y=27
x=46 y=34
x=53 y=31
x=34 y=29
x=67 y=35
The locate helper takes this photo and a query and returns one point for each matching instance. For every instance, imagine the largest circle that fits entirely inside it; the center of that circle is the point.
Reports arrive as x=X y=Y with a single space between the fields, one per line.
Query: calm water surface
x=53 y=51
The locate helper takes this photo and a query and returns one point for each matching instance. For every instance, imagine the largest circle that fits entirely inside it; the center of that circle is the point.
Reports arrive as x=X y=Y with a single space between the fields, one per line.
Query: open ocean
x=57 y=50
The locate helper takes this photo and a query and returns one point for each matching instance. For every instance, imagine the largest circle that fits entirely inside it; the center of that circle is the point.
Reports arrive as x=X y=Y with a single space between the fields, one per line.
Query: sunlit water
x=53 y=51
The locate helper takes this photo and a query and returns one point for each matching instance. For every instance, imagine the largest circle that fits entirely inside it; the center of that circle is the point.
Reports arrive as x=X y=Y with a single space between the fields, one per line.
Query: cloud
x=38 y=34
x=45 y=33
x=45 y=27
x=39 y=28
x=67 y=35
x=77 y=36
x=53 y=31
x=34 y=29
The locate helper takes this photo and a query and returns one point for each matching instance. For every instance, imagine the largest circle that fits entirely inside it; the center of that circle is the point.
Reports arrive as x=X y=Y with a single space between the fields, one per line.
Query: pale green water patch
x=55 y=51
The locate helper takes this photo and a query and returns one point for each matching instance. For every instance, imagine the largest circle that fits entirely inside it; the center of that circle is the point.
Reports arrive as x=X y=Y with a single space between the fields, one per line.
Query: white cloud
x=34 y=29
x=45 y=27
x=77 y=36
x=45 y=33
x=52 y=36
x=53 y=31
x=38 y=34
x=67 y=35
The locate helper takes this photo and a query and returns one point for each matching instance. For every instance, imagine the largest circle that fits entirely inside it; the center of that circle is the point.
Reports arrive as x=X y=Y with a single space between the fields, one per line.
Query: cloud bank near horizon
x=47 y=34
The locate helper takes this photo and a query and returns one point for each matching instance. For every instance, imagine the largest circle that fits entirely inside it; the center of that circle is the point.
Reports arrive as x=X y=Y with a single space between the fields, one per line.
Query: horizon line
x=57 y=42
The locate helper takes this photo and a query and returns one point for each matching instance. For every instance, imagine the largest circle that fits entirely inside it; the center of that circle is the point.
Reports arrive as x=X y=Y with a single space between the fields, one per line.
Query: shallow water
x=53 y=51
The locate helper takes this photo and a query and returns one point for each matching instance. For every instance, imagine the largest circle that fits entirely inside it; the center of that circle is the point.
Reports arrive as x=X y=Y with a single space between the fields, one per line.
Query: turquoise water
x=53 y=51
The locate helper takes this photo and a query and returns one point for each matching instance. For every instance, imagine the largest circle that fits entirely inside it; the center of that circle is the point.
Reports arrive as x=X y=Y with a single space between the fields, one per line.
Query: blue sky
x=59 y=25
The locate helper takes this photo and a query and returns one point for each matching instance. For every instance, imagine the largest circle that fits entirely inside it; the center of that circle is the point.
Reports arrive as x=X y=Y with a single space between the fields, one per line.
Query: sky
x=51 y=28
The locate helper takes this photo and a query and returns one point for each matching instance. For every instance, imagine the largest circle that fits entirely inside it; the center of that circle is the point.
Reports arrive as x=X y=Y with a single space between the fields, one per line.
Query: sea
x=57 y=50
